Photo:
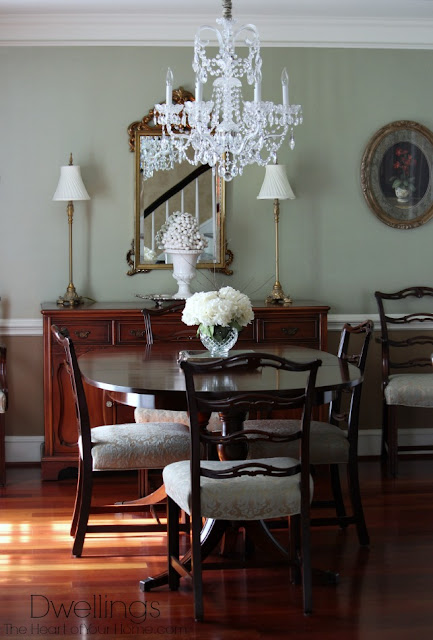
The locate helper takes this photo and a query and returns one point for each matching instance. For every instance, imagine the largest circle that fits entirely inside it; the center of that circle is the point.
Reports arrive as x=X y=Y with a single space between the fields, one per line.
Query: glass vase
x=223 y=339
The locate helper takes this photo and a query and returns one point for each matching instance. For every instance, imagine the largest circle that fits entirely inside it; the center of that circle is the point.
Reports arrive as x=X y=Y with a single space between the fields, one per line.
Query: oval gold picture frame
x=396 y=174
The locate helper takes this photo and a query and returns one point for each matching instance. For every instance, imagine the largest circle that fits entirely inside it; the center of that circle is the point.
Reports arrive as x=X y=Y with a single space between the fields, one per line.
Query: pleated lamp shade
x=276 y=184
x=71 y=186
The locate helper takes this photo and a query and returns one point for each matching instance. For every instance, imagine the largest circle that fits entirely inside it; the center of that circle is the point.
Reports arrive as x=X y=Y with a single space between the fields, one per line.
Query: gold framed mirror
x=163 y=187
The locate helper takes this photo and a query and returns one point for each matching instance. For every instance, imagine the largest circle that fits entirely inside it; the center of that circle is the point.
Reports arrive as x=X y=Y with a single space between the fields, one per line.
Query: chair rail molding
x=33 y=327
x=21 y=327
x=141 y=29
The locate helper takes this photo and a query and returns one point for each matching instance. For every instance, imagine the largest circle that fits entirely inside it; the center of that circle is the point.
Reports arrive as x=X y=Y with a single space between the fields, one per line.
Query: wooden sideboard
x=120 y=324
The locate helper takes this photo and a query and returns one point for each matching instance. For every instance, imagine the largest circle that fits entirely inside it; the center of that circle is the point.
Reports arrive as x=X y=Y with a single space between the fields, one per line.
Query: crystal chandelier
x=227 y=132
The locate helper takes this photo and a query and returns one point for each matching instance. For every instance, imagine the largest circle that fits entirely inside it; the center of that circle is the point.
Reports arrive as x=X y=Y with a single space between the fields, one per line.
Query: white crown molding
x=178 y=30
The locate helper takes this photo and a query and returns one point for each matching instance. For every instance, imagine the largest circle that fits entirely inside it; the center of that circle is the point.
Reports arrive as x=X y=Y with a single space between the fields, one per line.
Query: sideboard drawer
x=130 y=333
x=172 y=331
x=88 y=332
x=295 y=330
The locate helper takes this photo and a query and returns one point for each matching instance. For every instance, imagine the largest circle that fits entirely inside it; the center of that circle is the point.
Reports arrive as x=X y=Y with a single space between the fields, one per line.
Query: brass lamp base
x=277 y=295
x=70 y=298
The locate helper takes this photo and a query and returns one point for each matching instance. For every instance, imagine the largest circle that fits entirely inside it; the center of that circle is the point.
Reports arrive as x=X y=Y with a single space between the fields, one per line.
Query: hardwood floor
x=384 y=592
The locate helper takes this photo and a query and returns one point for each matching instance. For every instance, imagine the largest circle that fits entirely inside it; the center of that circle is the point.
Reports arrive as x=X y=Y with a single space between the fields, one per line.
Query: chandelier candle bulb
x=169 y=86
x=285 y=86
x=258 y=88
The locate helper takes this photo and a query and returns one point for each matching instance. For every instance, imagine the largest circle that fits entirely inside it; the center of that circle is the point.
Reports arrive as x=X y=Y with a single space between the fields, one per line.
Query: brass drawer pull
x=290 y=332
x=82 y=334
x=137 y=334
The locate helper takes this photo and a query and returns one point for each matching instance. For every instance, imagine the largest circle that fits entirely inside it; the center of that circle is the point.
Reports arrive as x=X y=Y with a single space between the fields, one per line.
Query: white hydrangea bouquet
x=180 y=232
x=220 y=315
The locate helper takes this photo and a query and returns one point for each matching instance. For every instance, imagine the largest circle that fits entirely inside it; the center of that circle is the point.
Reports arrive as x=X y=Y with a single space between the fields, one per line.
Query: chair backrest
x=81 y=408
x=235 y=407
x=148 y=314
x=407 y=353
x=3 y=380
x=357 y=355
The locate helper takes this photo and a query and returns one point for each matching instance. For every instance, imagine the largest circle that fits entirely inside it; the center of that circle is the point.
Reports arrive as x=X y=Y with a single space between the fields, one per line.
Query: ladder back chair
x=333 y=443
x=118 y=447
x=407 y=378
x=3 y=409
x=240 y=489
x=142 y=414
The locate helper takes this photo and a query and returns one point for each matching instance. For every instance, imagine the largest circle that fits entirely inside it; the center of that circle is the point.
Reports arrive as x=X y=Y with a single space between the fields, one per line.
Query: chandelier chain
x=227 y=9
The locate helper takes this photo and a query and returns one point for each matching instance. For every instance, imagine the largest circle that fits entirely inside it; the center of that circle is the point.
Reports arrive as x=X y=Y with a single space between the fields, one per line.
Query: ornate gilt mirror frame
x=181 y=188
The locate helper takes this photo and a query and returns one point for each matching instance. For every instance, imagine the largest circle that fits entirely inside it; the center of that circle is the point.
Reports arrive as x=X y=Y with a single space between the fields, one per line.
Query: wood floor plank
x=385 y=592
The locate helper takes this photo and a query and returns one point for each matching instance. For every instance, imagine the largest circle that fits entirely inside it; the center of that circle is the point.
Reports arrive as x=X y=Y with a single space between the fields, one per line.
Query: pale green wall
x=54 y=100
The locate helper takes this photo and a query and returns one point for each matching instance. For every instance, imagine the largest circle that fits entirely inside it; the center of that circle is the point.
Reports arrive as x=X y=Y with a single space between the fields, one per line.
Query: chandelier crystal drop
x=227 y=132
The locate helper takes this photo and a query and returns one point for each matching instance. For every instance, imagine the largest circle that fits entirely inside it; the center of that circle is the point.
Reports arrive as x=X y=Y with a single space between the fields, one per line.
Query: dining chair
x=142 y=414
x=407 y=380
x=239 y=489
x=333 y=443
x=145 y=415
x=3 y=409
x=118 y=447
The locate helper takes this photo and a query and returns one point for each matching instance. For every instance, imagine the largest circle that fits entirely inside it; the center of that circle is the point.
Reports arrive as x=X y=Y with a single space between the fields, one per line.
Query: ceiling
x=364 y=23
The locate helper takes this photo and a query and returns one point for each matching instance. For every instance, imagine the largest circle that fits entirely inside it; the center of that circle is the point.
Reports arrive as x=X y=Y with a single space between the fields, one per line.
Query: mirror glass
x=159 y=192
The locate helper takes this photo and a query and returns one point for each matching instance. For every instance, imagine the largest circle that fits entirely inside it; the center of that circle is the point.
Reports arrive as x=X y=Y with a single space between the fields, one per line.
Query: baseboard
x=24 y=448
x=369 y=440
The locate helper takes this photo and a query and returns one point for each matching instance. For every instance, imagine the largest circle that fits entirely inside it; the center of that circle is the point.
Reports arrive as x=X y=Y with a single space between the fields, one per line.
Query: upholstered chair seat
x=410 y=389
x=328 y=443
x=137 y=446
x=167 y=415
x=2 y=402
x=244 y=497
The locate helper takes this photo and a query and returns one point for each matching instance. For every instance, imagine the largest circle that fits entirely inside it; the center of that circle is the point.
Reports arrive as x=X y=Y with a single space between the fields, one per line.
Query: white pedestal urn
x=184 y=263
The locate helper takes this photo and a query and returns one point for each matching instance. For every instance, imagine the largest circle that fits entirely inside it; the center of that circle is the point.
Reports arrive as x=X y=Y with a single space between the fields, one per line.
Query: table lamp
x=70 y=188
x=276 y=187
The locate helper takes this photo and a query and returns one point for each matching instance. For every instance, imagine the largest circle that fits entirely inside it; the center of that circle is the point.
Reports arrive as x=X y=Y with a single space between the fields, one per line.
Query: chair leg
x=337 y=494
x=172 y=542
x=384 y=444
x=2 y=451
x=84 y=512
x=295 y=548
x=356 y=502
x=196 y=567
x=307 y=579
x=78 y=497
x=392 y=441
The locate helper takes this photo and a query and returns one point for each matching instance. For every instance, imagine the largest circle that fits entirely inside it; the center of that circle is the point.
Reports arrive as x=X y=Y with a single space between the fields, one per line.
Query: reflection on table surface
x=155 y=369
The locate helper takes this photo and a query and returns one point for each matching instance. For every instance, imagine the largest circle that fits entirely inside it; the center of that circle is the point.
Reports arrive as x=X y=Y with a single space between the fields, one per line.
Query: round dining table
x=150 y=376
